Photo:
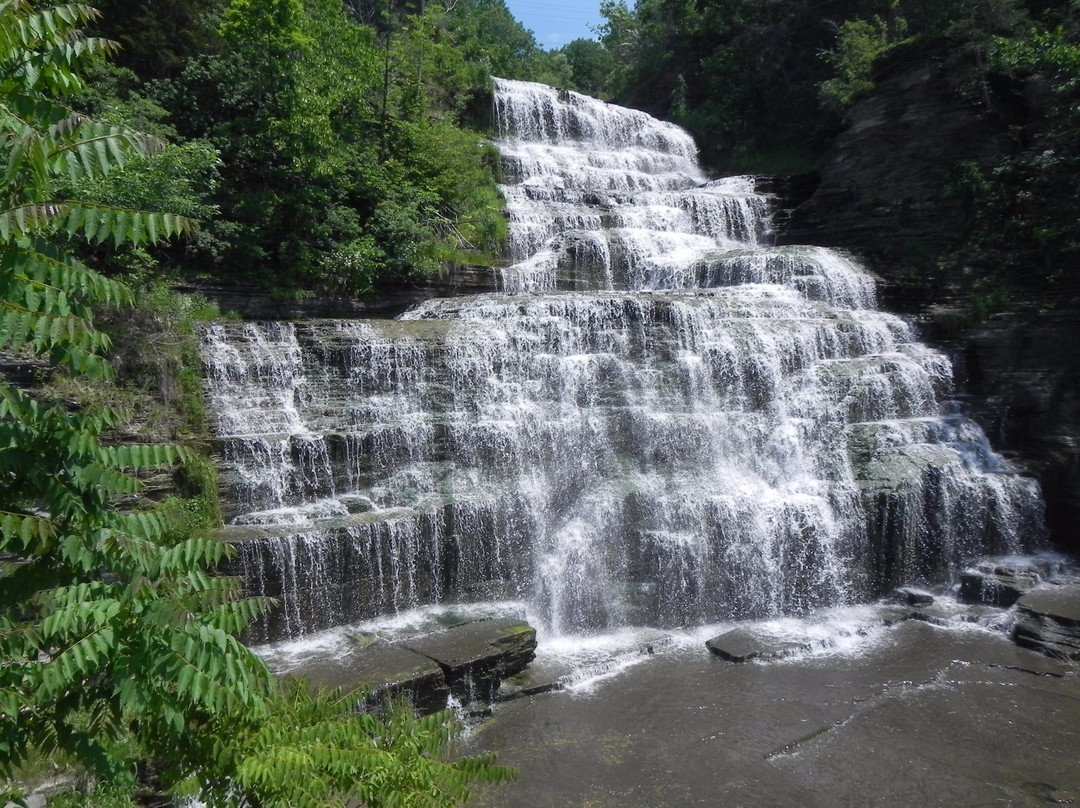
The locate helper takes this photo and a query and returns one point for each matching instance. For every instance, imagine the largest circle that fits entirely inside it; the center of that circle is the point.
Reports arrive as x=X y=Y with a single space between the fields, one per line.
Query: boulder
x=476 y=657
x=1048 y=620
x=742 y=645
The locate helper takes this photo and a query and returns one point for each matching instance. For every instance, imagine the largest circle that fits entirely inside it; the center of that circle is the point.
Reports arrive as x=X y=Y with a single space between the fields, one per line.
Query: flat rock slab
x=742 y=645
x=388 y=670
x=918 y=717
x=1062 y=603
x=1048 y=620
x=477 y=656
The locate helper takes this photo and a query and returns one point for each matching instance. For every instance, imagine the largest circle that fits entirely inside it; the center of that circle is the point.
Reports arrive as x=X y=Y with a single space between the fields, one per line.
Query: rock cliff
x=880 y=194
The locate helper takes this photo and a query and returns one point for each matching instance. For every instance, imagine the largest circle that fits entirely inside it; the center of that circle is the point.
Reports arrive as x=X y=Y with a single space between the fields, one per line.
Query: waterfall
x=660 y=420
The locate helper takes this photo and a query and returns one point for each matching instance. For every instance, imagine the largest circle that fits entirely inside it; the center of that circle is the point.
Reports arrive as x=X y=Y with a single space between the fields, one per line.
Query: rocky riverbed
x=947 y=711
x=931 y=697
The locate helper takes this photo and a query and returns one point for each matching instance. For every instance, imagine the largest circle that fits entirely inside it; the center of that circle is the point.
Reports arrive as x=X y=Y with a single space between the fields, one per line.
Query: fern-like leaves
x=319 y=750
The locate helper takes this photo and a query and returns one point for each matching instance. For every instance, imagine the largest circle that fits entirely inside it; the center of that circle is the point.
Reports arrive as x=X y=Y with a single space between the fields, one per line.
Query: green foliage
x=306 y=756
x=346 y=166
x=858 y=44
x=177 y=178
x=490 y=40
x=750 y=70
x=76 y=646
x=592 y=66
x=758 y=92
x=329 y=145
x=967 y=182
x=46 y=292
x=117 y=644
x=268 y=29
x=551 y=67
x=156 y=355
x=157 y=38
x=1052 y=53
x=1023 y=211
x=100 y=795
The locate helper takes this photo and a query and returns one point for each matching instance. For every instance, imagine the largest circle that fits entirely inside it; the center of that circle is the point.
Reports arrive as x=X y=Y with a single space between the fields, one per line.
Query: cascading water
x=661 y=421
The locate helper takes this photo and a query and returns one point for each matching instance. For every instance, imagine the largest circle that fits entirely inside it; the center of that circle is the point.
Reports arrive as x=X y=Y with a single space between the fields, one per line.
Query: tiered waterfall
x=661 y=420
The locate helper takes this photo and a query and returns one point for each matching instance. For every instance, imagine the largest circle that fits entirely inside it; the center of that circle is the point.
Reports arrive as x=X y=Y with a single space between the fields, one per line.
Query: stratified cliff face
x=881 y=190
x=1021 y=369
x=880 y=195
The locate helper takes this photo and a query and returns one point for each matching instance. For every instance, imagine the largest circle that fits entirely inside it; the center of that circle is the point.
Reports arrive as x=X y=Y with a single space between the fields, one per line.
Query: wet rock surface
x=915 y=713
x=469 y=660
x=386 y=670
x=477 y=656
x=1048 y=620
x=912 y=596
x=548 y=673
x=1003 y=581
x=742 y=645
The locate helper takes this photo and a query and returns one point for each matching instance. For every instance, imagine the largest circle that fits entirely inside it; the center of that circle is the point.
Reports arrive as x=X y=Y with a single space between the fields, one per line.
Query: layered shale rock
x=1048 y=620
x=476 y=657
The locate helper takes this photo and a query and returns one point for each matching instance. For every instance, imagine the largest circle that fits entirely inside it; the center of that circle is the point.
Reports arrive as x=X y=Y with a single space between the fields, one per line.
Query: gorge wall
x=880 y=194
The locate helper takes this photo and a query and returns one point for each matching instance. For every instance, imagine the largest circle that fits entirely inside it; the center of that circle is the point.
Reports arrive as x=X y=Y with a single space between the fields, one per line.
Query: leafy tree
x=344 y=165
x=750 y=69
x=858 y=44
x=117 y=645
x=1024 y=210
x=753 y=69
x=592 y=66
x=158 y=37
x=491 y=39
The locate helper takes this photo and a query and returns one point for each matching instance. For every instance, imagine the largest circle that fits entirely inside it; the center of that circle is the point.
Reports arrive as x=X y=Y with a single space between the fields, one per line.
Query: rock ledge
x=1048 y=620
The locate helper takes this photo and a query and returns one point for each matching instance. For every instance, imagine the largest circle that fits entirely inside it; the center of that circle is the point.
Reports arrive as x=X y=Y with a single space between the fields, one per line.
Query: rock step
x=1048 y=620
x=1003 y=581
x=911 y=596
x=476 y=657
x=469 y=660
x=387 y=671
